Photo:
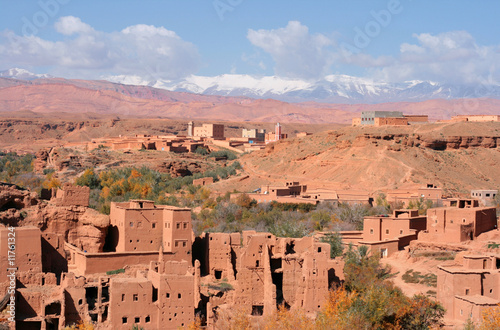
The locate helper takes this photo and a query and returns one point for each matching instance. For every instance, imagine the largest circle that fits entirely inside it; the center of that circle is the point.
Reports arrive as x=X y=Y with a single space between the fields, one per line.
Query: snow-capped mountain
x=22 y=74
x=333 y=88
x=330 y=89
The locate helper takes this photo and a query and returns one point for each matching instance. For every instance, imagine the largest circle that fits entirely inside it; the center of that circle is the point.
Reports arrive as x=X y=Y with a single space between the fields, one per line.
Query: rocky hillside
x=457 y=157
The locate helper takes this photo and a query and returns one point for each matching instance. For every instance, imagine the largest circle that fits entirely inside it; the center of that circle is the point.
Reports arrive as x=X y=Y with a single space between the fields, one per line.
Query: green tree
x=335 y=241
x=90 y=179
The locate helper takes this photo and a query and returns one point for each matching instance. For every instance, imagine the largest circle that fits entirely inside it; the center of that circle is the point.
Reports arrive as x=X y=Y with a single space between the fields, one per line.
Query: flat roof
x=479 y=300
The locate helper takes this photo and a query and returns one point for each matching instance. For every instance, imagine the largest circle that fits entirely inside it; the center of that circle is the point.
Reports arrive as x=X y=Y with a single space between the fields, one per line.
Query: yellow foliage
x=135 y=174
x=284 y=319
x=146 y=189
x=490 y=318
x=333 y=313
x=105 y=192
x=204 y=193
x=237 y=319
x=196 y=324
x=81 y=326
x=51 y=182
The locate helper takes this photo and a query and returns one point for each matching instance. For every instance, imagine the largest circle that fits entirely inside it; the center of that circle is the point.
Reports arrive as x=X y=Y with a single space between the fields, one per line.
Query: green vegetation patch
x=116 y=271
x=412 y=276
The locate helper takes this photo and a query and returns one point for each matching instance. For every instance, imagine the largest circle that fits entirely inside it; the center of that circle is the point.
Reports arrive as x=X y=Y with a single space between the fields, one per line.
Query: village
x=158 y=264
x=144 y=266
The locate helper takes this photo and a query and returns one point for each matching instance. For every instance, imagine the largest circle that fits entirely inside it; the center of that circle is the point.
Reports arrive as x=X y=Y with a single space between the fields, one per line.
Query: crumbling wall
x=71 y=195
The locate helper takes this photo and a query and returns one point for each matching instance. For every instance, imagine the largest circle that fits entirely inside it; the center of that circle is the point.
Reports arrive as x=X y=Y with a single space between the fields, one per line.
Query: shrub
x=223 y=153
x=116 y=271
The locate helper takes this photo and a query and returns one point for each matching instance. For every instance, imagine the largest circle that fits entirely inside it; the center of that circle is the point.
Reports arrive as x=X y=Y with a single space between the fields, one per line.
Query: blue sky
x=393 y=40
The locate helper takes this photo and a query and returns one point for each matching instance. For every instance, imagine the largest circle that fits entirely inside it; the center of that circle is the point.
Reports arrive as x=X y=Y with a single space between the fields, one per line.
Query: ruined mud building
x=156 y=275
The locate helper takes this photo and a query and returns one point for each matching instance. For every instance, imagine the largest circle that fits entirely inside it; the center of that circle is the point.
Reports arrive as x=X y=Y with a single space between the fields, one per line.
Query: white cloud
x=69 y=25
x=144 y=50
x=448 y=57
x=452 y=57
x=296 y=53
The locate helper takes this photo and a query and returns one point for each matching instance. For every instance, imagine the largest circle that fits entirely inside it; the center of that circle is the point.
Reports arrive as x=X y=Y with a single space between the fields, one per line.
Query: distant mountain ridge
x=331 y=89
x=25 y=93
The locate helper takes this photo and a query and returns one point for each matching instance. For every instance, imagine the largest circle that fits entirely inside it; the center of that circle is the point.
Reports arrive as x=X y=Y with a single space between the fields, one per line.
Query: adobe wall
x=451 y=283
x=486 y=220
x=477 y=117
x=353 y=237
x=220 y=254
x=71 y=195
x=76 y=308
x=417 y=118
x=266 y=198
x=176 y=300
x=390 y=121
x=431 y=193
x=203 y=181
x=93 y=263
x=138 y=229
x=131 y=302
x=372 y=229
x=465 y=309
x=27 y=252
x=390 y=246
x=178 y=236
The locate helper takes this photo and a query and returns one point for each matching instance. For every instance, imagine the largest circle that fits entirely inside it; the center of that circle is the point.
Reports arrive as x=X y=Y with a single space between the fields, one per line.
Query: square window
x=136 y=297
x=178 y=225
x=168 y=295
x=137 y=320
x=176 y=244
x=185 y=225
x=124 y=320
x=148 y=319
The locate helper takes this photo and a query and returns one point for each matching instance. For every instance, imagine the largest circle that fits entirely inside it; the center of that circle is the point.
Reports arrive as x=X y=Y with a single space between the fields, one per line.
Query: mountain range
x=25 y=93
x=331 y=89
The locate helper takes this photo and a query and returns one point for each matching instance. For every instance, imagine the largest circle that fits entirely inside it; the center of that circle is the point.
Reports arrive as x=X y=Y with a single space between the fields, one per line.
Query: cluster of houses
x=157 y=275
x=397 y=118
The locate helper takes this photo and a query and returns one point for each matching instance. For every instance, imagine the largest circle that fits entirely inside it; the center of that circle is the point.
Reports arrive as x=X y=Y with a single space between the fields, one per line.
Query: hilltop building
x=214 y=131
x=485 y=197
x=388 y=118
x=276 y=135
x=254 y=135
x=476 y=118
x=405 y=196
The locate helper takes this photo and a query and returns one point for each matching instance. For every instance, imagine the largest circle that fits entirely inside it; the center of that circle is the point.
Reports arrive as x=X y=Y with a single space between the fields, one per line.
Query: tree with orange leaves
x=490 y=318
